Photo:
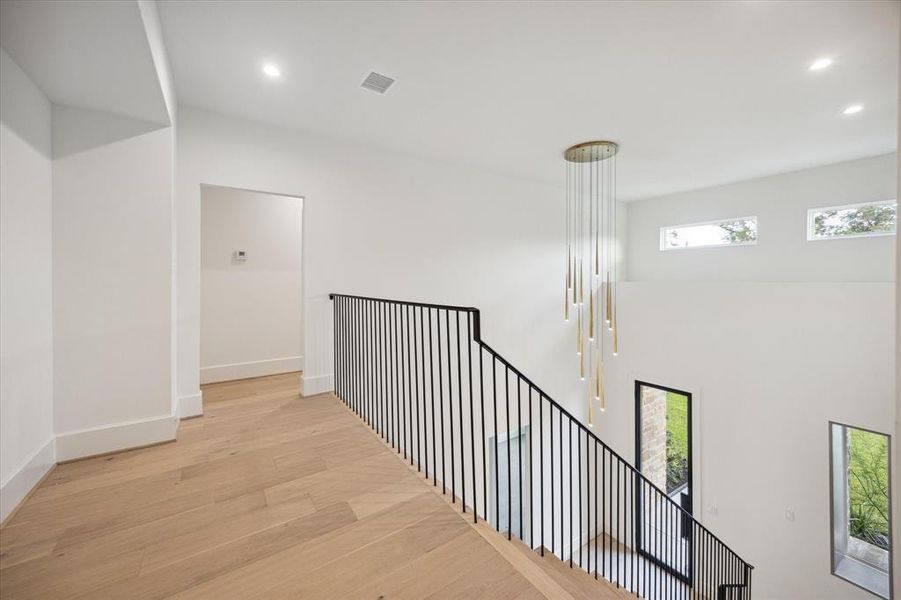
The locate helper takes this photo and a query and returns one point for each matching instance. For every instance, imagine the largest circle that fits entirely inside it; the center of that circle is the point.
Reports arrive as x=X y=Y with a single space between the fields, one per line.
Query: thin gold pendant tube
x=579 y=332
x=609 y=300
x=591 y=332
x=602 y=393
x=615 y=334
x=590 y=408
x=582 y=364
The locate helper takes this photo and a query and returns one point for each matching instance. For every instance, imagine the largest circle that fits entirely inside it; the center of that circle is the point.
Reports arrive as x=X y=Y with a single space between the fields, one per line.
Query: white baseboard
x=190 y=406
x=310 y=385
x=118 y=436
x=256 y=368
x=20 y=484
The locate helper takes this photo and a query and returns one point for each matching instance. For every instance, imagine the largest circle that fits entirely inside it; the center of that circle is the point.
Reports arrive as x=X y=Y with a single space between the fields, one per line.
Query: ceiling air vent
x=377 y=82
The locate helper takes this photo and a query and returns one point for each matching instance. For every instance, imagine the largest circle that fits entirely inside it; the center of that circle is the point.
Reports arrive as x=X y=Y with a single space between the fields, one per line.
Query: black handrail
x=377 y=370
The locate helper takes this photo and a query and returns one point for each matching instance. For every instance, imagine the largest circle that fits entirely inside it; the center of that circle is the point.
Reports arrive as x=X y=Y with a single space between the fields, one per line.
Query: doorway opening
x=510 y=464
x=251 y=319
x=663 y=454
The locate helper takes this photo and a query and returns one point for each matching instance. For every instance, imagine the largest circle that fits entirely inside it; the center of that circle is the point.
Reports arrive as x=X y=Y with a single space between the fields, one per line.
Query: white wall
x=112 y=225
x=390 y=225
x=782 y=252
x=251 y=319
x=896 y=447
x=770 y=364
x=26 y=338
x=775 y=340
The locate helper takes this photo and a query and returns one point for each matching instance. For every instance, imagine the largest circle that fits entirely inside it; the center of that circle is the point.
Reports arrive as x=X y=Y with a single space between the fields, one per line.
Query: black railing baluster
x=550 y=427
x=339 y=349
x=670 y=547
x=395 y=362
x=596 y=528
x=522 y=532
x=354 y=355
x=472 y=423
x=531 y=476
x=620 y=522
x=386 y=370
x=579 y=467
x=382 y=394
x=497 y=501
x=401 y=385
x=603 y=533
x=450 y=407
x=392 y=376
x=367 y=362
x=389 y=372
x=335 y=348
x=396 y=395
x=353 y=370
x=342 y=319
x=588 y=531
x=441 y=405
x=484 y=439
x=420 y=396
x=377 y=367
x=657 y=541
x=402 y=382
x=460 y=418
x=541 y=461
x=569 y=445
x=634 y=554
x=409 y=393
x=351 y=359
x=405 y=380
x=562 y=510
x=342 y=361
x=509 y=465
x=404 y=352
x=432 y=393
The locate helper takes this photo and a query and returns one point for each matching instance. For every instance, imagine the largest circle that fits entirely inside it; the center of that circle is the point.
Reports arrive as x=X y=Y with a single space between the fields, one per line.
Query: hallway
x=267 y=494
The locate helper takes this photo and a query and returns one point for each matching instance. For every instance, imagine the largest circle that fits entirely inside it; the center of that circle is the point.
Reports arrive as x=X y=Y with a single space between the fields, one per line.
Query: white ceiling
x=696 y=93
x=86 y=54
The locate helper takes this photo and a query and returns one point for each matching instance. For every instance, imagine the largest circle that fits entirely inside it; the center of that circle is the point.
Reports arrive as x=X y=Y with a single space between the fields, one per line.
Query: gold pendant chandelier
x=591 y=257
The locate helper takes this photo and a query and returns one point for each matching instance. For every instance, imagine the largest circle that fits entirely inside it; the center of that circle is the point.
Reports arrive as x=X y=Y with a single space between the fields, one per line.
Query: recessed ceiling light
x=272 y=71
x=820 y=64
x=853 y=109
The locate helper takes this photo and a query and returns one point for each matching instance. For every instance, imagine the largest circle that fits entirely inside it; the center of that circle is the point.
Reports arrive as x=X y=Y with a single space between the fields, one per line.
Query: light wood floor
x=266 y=495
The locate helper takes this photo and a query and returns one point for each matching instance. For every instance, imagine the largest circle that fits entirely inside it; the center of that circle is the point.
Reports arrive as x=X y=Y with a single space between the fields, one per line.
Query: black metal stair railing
x=421 y=376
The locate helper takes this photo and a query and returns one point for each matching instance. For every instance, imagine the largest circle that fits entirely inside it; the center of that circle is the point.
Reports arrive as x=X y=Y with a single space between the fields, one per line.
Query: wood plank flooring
x=267 y=495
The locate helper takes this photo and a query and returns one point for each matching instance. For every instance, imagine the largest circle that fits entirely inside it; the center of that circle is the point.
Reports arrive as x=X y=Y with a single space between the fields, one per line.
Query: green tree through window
x=869 y=219
x=868 y=487
x=676 y=441
x=739 y=232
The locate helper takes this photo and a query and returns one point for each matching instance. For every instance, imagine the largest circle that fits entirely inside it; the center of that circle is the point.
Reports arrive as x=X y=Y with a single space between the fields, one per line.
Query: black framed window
x=860 y=508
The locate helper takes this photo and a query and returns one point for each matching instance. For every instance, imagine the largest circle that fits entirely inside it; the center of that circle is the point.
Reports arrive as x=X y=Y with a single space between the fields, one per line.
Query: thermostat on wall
x=240 y=255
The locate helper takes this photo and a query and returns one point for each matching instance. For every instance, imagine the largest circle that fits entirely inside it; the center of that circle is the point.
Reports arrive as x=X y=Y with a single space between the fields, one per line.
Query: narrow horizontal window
x=852 y=220
x=861 y=522
x=728 y=232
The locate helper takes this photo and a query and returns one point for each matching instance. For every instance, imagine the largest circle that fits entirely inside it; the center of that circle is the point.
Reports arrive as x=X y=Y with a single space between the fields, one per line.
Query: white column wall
x=26 y=298
x=112 y=222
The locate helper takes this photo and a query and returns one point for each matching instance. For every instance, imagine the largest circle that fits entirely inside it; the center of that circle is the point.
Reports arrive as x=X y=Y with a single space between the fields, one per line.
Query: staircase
x=421 y=376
